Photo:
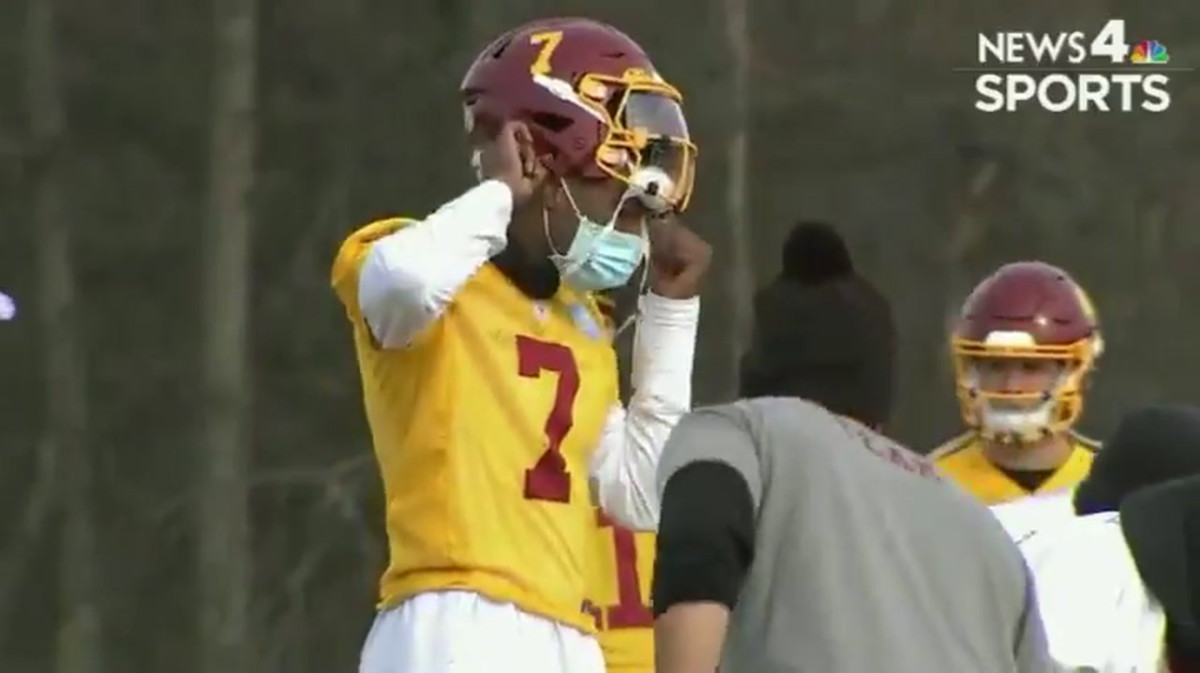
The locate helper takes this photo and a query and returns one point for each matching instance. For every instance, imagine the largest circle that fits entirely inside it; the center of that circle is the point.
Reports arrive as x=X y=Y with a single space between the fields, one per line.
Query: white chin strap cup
x=653 y=187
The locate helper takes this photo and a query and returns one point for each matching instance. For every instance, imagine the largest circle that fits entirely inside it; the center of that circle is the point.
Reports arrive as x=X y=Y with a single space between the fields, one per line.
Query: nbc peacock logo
x=1150 y=52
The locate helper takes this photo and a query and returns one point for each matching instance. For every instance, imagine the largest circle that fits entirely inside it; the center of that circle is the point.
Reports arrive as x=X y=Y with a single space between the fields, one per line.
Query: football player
x=1113 y=583
x=488 y=373
x=1024 y=344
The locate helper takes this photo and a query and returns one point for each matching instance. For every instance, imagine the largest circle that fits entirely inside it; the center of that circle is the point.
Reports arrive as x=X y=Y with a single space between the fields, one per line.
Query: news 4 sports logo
x=1067 y=72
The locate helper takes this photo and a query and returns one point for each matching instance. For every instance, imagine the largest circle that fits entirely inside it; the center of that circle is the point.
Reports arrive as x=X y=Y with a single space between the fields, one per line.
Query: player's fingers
x=515 y=144
x=501 y=154
x=500 y=143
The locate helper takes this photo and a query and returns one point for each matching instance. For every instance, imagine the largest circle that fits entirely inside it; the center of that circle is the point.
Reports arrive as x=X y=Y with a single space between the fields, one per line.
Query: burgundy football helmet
x=1027 y=311
x=593 y=101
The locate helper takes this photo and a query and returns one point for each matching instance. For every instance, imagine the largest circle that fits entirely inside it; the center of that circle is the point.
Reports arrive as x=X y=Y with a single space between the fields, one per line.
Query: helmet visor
x=666 y=161
x=655 y=114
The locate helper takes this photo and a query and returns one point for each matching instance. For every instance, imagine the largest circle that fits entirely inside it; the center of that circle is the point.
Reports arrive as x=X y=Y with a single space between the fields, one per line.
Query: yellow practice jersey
x=620 y=598
x=483 y=428
x=963 y=461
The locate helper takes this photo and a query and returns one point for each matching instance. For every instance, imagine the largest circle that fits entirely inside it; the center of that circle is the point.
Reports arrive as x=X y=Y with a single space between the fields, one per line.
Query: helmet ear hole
x=553 y=123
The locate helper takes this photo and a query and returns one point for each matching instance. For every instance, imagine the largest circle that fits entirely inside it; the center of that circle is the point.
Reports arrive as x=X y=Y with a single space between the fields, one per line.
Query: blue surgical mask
x=600 y=257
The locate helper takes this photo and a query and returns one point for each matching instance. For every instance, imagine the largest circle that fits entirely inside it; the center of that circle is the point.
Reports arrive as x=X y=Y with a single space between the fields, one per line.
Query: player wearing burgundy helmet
x=489 y=376
x=1023 y=347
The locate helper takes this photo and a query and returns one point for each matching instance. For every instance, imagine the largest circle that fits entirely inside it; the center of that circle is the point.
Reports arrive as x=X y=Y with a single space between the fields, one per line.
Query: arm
x=623 y=467
x=688 y=638
x=406 y=279
x=705 y=548
x=711 y=486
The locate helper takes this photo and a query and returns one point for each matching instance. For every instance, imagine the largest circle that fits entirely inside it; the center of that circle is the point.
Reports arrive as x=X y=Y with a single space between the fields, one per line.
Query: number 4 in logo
x=1110 y=42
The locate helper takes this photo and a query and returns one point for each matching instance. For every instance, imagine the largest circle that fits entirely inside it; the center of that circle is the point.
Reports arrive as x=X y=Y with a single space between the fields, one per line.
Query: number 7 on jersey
x=548 y=479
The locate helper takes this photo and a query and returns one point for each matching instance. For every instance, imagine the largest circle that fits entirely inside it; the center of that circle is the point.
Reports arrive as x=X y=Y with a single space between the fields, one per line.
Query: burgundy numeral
x=631 y=611
x=548 y=479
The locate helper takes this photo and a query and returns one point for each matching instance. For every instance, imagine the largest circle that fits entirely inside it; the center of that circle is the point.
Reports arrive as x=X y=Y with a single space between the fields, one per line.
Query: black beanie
x=1151 y=445
x=822 y=332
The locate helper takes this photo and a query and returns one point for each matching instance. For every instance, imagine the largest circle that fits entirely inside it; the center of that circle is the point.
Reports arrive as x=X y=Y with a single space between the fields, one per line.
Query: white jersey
x=1025 y=515
x=1098 y=614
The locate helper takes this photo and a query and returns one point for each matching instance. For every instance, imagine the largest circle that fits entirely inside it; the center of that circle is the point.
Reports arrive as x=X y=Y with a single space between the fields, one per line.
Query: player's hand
x=679 y=259
x=507 y=155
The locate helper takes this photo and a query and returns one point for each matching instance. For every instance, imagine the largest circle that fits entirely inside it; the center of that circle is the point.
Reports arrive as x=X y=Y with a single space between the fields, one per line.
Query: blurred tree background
x=186 y=479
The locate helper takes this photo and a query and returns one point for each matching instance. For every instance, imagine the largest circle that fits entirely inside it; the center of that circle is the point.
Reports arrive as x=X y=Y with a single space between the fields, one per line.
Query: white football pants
x=463 y=632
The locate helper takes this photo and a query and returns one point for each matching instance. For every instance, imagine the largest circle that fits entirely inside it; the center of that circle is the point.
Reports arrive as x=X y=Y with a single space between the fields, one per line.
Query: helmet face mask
x=595 y=105
x=646 y=145
x=1023 y=347
x=1018 y=397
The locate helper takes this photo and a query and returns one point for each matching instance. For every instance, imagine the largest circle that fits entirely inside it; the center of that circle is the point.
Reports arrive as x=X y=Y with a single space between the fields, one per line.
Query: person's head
x=1151 y=445
x=609 y=133
x=822 y=332
x=1023 y=345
